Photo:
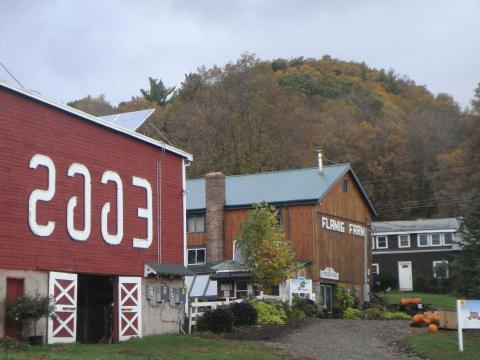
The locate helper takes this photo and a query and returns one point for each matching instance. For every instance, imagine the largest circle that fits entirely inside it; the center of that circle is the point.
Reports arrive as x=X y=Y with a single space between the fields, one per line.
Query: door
x=63 y=289
x=129 y=308
x=15 y=289
x=405 y=281
x=326 y=292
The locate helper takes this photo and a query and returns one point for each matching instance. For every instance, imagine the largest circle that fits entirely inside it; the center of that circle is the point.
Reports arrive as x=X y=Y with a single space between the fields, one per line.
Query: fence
x=197 y=308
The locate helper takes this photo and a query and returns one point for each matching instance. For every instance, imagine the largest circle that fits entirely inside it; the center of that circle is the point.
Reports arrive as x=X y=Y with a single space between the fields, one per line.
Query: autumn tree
x=93 y=105
x=265 y=252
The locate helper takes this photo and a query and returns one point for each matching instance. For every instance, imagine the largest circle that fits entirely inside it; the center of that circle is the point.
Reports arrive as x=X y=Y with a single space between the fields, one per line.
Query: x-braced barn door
x=129 y=307
x=63 y=288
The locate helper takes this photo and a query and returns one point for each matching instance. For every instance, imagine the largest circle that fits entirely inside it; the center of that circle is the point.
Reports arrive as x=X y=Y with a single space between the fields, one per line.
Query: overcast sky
x=68 y=49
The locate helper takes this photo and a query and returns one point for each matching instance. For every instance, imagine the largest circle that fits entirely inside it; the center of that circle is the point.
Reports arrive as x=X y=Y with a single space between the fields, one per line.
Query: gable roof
x=93 y=119
x=289 y=186
x=415 y=226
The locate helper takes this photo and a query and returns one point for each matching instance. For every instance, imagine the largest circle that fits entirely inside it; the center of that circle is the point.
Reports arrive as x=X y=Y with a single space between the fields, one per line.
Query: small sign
x=300 y=285
x=330 y=274
x=468 y=318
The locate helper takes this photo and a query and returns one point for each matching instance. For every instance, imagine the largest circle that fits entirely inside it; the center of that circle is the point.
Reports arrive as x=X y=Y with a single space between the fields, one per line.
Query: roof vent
x=320 y=161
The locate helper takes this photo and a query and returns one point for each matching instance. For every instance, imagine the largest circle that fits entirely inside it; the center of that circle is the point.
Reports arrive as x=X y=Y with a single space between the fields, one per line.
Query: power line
x=390 y=178
x=9 y=73
x=413 y=202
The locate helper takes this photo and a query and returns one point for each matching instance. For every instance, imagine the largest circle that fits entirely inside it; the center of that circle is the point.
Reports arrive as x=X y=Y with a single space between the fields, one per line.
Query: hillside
x=415 y=152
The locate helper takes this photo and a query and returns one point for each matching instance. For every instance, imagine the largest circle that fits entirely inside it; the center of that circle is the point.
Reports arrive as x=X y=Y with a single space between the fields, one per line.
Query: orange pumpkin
x=404 y=301
x=416 y=301
x=432 y=328
x=417 y=319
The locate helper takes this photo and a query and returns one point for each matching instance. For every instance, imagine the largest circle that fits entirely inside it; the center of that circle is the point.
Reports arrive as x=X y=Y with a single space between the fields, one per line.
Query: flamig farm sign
x=341 y=226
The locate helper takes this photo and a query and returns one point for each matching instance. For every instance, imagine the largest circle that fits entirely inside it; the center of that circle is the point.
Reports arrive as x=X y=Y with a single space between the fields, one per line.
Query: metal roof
x=166 y=269
x=413 y=226
x=129 y=120
x=301 y=185
x=96 y=120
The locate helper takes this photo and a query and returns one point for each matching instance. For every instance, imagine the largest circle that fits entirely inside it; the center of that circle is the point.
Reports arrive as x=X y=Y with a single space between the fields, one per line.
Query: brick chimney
x=215 y=201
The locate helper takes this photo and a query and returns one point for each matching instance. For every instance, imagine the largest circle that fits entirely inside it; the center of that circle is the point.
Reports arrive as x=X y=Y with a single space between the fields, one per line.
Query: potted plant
x=28 y=309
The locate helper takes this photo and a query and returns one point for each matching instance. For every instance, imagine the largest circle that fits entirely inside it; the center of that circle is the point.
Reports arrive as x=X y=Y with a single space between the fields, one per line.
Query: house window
x=241 y=289
x=375 y=269
x=403 y=241
x=382 y=242
x=448 y=238
x=373 y=243
x=197 y=256
x=422 y=240
x=435 y=239
x=440 y=269
x=195 y=223
x=345 y=185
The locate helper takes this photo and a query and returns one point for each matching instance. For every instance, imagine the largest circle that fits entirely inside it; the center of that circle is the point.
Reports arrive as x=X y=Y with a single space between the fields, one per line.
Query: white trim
x=439 y=237
x=453 y=239
x=381 y=233
x=400 y=242
x=136 y=308
x=386 y=242
x=97 y=120
x=377 y=266
x=428 y=239
x=184 y=187
x=434 y=264
x=411 y=251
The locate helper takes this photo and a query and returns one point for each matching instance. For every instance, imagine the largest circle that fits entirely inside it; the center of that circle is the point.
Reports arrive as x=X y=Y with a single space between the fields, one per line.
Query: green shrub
x=270 y=314
x=244 y=314
x=352 y=314
x=374 y=313
x=216 y=321
x=396 y=315
x=344 y=297
x=306 y=306
x=9 y=344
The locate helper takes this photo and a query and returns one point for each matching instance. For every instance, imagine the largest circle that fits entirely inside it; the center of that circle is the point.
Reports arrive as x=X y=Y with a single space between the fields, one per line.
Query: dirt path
x=347 y=340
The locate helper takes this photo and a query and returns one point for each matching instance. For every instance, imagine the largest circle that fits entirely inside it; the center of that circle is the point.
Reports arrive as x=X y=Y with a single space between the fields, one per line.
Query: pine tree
x=466 y=266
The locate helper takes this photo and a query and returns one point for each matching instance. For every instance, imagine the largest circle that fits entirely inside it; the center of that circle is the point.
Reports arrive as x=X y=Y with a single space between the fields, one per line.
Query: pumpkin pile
x=410 y=301
x=428 y=318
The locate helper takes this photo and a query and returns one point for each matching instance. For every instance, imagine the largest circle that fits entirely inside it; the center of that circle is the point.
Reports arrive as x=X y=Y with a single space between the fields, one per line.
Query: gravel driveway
x=347 y=340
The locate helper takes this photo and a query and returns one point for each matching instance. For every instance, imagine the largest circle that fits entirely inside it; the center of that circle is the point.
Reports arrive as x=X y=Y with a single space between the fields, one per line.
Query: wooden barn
x=92 y=214
x=324 y=212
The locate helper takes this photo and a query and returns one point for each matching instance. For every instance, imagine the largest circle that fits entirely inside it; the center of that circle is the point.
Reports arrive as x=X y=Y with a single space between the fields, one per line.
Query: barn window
x=195 y=223
x=382 y=242
x=403 y=241
x=196 y=256
x=448 y=238
x=345 y=185
x=440 y=269
x=279 y=217
x=375 y=269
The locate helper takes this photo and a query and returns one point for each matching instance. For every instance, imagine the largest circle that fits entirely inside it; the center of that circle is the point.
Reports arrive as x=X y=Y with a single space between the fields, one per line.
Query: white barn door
x=129 y=307
x=63 y=289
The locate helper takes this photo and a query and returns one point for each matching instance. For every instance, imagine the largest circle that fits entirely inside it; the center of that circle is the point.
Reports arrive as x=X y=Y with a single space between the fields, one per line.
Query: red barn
x=93 y=215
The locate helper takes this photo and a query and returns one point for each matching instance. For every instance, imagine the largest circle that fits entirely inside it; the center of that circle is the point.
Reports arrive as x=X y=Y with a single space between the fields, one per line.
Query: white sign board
x=330 y=274
x=340 y=226
x=468 y=316
x=300 y=285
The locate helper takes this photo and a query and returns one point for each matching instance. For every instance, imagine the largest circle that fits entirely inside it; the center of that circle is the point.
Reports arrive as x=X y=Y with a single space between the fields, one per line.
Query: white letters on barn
x=41 y=195
x=83 y=235
x=144 y=213
x=80 y=235
x=109 y=238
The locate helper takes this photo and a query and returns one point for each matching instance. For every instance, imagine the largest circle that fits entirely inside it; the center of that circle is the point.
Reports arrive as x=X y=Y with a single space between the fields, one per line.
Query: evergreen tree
x=466 y=266
x=158 y=92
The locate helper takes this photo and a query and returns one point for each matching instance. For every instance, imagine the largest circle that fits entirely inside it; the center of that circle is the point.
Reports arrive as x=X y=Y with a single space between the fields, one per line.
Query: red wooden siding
x=29 y=128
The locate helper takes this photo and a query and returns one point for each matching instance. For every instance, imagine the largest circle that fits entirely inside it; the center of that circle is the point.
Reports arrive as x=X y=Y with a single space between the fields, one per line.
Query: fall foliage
x=417 y=154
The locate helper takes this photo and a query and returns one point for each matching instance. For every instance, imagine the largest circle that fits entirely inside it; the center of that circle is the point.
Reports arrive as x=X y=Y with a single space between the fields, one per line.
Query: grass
x=441 y=301
x=169 y=347
x=444 y=346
